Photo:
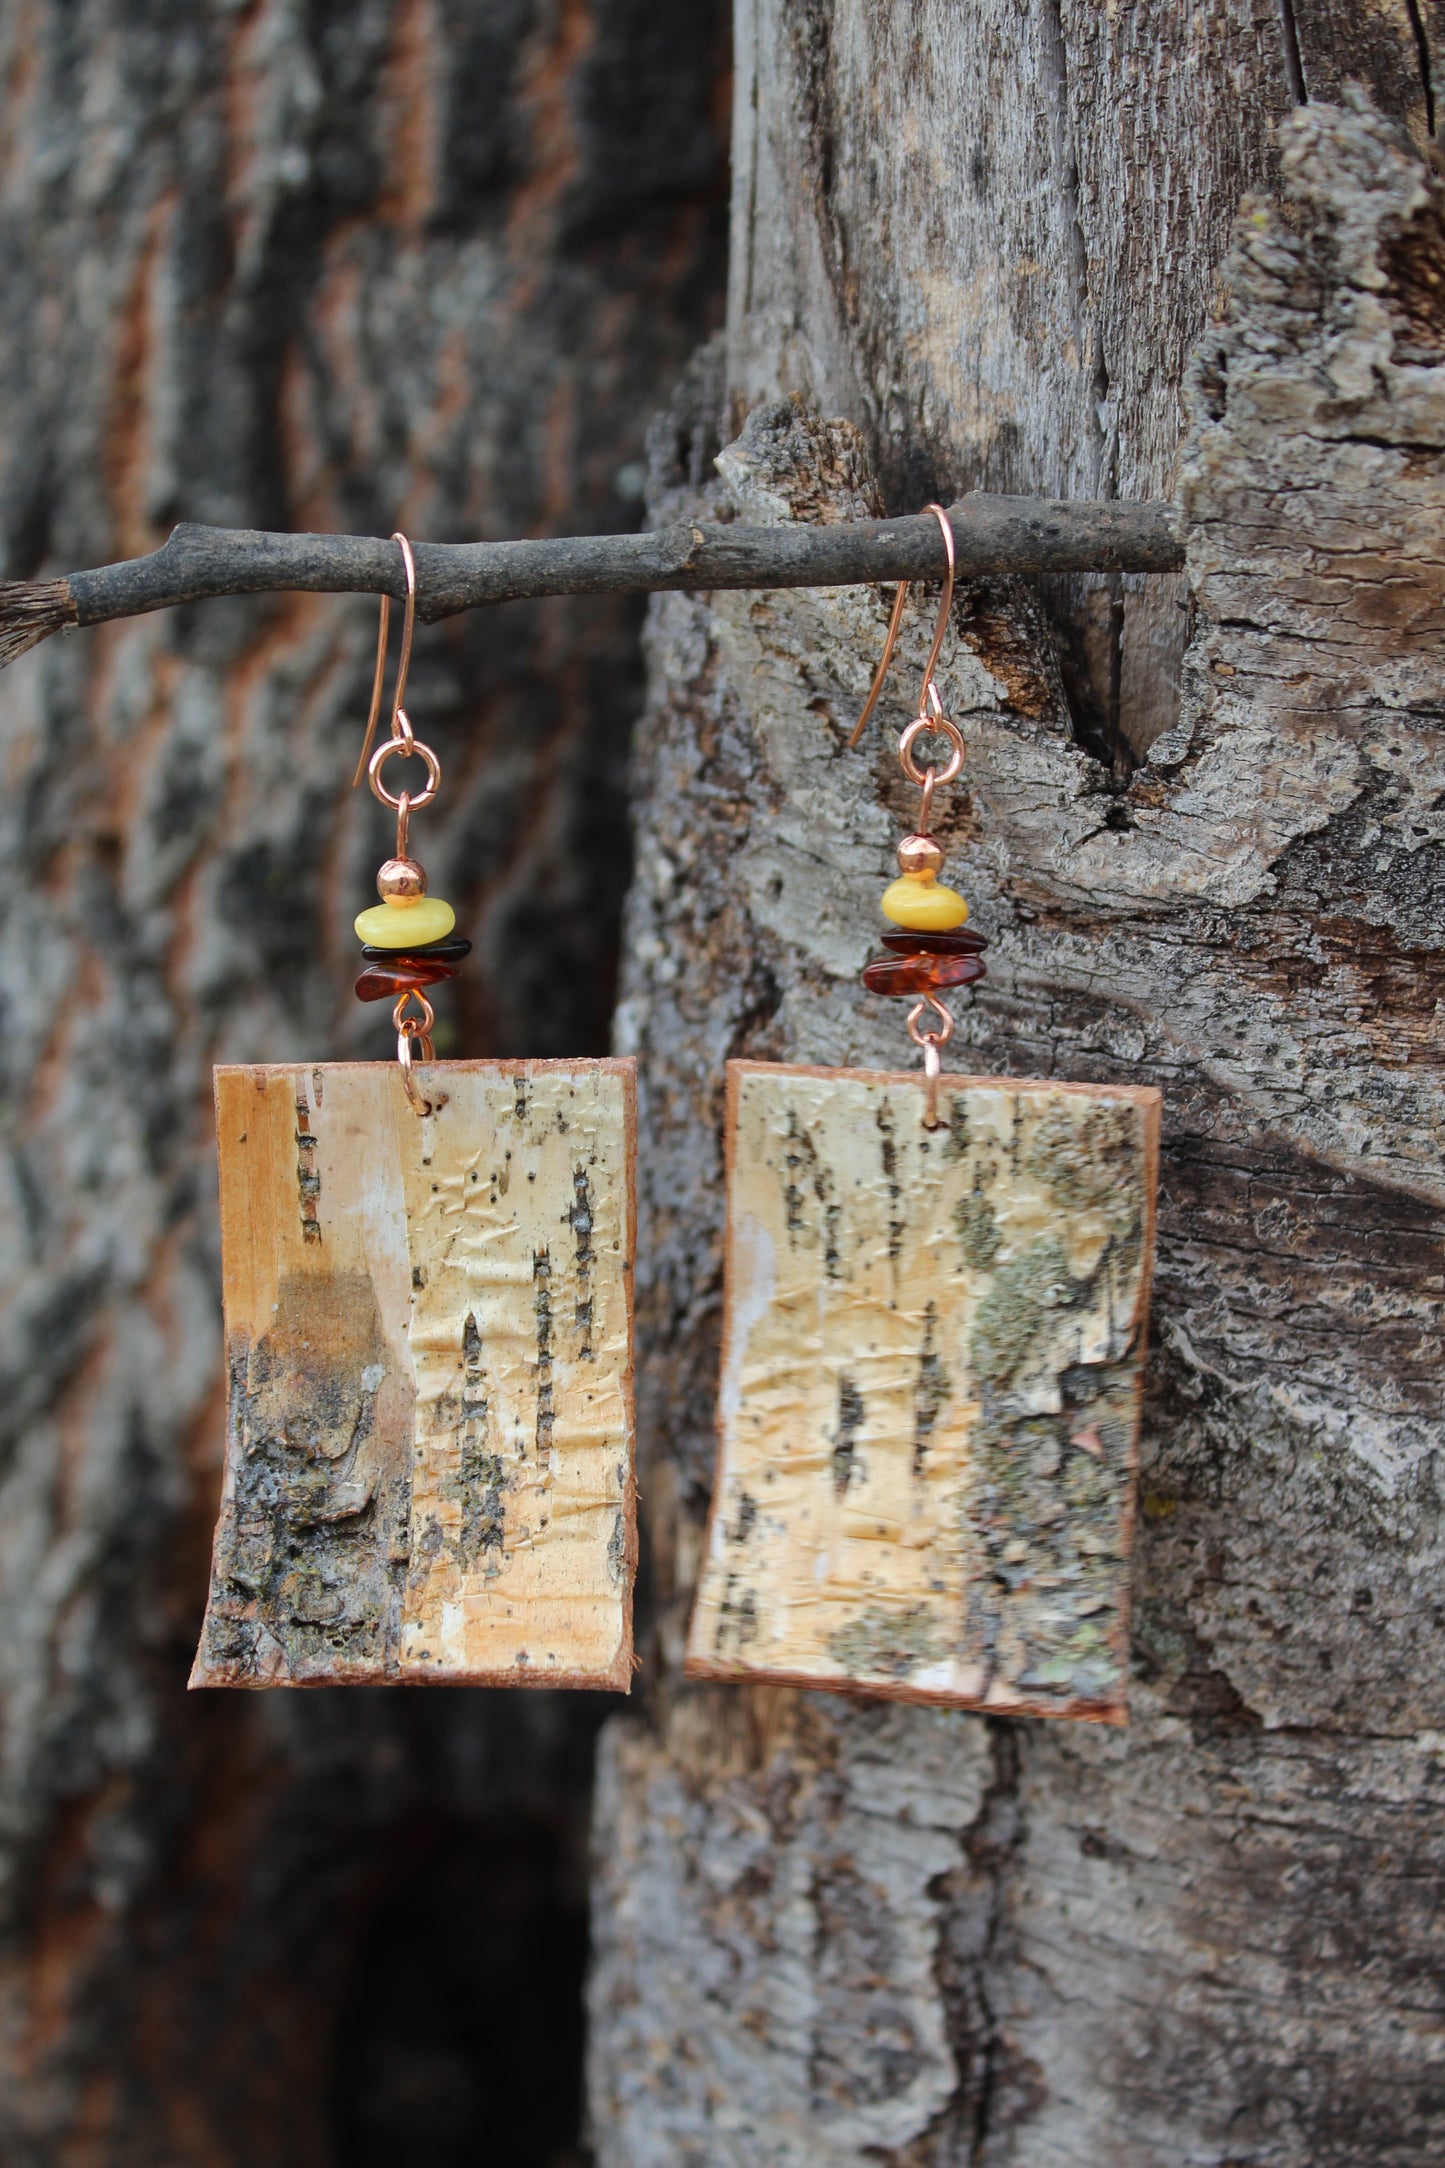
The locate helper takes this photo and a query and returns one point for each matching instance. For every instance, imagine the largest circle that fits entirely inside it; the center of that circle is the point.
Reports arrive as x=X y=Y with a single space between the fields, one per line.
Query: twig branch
x=991 y=535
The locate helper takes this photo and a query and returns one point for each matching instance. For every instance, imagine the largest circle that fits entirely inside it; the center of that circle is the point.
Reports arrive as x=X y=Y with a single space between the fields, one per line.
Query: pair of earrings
x=935 y=1306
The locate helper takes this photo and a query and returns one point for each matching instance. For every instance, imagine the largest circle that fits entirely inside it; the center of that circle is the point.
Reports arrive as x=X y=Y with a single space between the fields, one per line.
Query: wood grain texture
x=929 y=1393
x=1212 y=1936
x=428 y=1332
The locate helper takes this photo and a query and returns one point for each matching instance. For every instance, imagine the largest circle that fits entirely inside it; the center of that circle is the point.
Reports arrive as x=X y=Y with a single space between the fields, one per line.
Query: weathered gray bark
x=993 y=238
x=344 y=264
x=830 y=1934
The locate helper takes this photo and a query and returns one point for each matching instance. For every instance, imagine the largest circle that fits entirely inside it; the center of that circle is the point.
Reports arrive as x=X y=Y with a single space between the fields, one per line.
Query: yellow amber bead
x=406 y=925
x=923 y=906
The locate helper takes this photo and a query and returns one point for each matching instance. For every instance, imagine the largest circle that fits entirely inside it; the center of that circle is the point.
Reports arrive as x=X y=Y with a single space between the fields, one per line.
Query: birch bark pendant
x=928 y=1409
x=427 y=1288
x=428 y=1330
x=934 y=1318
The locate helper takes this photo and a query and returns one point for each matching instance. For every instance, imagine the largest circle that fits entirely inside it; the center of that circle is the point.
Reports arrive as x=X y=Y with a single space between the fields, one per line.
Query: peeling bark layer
x=345 y=265
x=1212 y=1936
x=928 y=1403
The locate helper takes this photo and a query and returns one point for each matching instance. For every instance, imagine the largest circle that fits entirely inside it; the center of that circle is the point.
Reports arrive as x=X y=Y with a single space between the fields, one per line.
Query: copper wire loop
x=931 y=726
x=930 y=1041
x=929 y=694
x=930 y=1038
x=403 y=1055
x=931 y=1068
x=414 y=1030
x=418 y=1026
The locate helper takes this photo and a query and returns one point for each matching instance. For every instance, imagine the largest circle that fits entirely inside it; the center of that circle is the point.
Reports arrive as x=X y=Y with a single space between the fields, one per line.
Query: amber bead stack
x=407 y=938
x=933 y=951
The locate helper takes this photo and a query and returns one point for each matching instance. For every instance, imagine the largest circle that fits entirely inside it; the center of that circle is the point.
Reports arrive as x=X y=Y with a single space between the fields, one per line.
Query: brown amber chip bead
x=921 y=974
x=383 y=982
x=963 y=941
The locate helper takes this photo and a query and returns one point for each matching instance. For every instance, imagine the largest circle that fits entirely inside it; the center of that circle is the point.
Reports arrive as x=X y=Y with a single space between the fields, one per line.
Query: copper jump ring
x=931 y=726
x=408 y=746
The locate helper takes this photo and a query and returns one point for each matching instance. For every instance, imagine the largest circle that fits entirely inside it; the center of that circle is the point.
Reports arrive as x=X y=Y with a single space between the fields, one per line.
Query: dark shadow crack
x=1293 y=61
x=1422 y=48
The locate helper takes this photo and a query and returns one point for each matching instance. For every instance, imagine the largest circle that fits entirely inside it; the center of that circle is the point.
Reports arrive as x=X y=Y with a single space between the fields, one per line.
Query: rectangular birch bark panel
x=429 y=1472
x=929 y=1404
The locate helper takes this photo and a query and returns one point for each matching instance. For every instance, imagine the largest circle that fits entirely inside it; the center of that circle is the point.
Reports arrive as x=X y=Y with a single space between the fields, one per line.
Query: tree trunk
x=989 y=240
x=385 y=263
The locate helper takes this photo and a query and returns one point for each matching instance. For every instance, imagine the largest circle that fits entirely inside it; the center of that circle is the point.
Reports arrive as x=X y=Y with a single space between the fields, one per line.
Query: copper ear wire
x=399 y=724
x=928 y=695
x=414 y=1032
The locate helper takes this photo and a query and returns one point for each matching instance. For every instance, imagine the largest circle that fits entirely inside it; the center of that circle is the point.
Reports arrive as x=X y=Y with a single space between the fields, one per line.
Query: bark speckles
x=806 y=1173
x=483 y=1473
x=308 y=1181
x=799 y=1158
x=888 y=1155
x=930 y=1391
x=581 y=1219
x=542 y=1313
x=845 y=1435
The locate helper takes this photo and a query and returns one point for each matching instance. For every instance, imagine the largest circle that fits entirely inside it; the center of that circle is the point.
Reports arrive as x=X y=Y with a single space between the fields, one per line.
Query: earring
x=427 y=1272
x=935 y=1306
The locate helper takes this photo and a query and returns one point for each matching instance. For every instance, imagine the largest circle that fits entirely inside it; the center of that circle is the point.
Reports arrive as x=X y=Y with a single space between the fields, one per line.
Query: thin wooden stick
x=991 y=535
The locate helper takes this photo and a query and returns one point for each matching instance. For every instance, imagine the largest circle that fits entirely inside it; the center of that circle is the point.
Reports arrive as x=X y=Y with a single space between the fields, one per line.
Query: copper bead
x=401 y=880
x=920 y=857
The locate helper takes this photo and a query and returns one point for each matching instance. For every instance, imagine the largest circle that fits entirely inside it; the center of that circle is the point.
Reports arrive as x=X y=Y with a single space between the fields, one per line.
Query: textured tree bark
x=290 y=264
x=828 y=1933
x=990 y=243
